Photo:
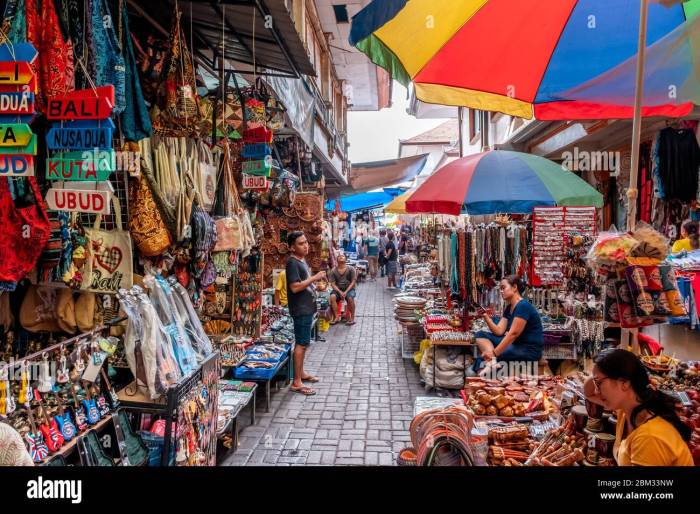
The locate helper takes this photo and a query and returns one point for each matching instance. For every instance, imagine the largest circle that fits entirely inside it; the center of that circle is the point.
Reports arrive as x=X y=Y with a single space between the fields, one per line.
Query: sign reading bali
x=255 y=183
x=84 y=104
x=74 y=200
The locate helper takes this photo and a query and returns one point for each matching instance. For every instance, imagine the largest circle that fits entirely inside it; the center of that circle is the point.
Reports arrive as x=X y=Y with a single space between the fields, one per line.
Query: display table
x=239 y=401
x=284 y=364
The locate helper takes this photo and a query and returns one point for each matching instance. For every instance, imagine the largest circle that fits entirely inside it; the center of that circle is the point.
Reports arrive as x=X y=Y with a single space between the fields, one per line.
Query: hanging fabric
x=135 y=120
x=106 y=53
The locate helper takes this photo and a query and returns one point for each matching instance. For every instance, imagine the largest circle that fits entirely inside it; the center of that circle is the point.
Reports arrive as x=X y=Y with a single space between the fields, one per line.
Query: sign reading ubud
x=74 y=200
x=81 y=166
x=16 y=166
x=254 y=182
x=85 y=104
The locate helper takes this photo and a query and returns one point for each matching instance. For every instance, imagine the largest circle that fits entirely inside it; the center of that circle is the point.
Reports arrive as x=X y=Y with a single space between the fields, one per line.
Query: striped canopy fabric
x=520 y=57
x=500 y=181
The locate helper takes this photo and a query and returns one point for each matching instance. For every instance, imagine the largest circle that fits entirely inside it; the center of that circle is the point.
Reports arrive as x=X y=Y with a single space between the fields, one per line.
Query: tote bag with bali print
x=111 y=253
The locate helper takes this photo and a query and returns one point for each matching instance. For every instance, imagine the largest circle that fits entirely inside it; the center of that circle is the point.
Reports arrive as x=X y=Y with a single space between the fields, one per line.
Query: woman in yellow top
x=690 y=238
x=649 y=432
x=281 y=289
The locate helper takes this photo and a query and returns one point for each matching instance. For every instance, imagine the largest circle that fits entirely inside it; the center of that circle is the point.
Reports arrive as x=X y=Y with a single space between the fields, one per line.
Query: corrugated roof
x=276 y=46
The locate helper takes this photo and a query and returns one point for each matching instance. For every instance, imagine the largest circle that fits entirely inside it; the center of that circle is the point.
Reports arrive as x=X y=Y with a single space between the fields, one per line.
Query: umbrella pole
x=632 y=191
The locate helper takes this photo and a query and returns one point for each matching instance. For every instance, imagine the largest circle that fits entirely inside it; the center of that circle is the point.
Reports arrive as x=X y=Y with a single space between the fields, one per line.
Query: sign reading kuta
x=16 y=166
x=260 y=168
x=15 y=134
x=85 y=104
x=82 y=166
x=75 y=200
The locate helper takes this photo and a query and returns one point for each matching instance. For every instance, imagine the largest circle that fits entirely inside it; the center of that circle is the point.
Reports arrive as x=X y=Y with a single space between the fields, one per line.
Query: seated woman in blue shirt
x=518 y=334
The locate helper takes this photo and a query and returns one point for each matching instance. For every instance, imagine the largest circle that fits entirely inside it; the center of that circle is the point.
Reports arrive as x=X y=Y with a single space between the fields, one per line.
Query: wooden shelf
x=451 y=343
x=67 y=448
x=141 y=396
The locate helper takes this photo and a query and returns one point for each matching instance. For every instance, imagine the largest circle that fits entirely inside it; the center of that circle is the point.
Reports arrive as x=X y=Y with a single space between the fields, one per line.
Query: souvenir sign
x=81 y=166
x=16 y=166
x=17 y=76
x=261 y=168
x=256 y=151
x=85 y=104
x=76 y=200
x=17 y=103
x=18 y=52
x=257 y=135
x=255 y=183
x=29 y=149
x=15 y=134
x=59 y=138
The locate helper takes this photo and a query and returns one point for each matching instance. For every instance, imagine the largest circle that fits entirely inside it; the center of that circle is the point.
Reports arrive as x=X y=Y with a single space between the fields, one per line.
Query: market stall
x=143 y=215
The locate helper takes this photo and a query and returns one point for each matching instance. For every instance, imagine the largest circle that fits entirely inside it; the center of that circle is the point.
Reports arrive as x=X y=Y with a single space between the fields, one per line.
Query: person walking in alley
x=372 y=252
x=343 y=279
x=383 y=240
x=391 y=254
x=301 y=297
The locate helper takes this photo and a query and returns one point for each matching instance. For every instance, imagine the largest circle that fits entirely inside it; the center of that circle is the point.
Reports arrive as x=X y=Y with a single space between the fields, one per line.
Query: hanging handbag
x=109 y=62
x=229 y=228
x=166 y=208
x=178 y=103
x=146 y=224
x=25 y=230
x=112 y=261
x=206 y=175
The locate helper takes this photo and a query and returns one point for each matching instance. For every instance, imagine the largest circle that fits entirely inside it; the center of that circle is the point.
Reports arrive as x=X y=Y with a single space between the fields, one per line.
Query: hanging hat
x=85 y=311
x=38 y=311
x=65 y=311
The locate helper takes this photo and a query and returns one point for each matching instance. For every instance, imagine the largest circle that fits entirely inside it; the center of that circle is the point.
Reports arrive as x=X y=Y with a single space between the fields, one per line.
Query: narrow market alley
x=363 y=405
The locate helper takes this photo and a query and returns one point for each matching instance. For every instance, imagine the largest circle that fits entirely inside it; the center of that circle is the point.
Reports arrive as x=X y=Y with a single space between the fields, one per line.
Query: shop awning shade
x=277 y=47
x=398 y=204
x=501 y=181
x=362 y=201
x=368 y=176
x=521 y=58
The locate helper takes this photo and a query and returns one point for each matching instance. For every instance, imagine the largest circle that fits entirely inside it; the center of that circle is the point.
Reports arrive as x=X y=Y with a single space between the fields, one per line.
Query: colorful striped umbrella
x=518 y=57
x=398 y=204
x=500 y=181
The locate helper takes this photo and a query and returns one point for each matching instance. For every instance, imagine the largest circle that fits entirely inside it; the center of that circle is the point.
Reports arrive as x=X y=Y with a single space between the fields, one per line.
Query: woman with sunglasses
x=649 y=432
x=518 y=335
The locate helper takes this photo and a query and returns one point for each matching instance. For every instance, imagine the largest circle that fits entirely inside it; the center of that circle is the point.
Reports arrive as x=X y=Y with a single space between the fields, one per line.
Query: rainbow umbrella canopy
x=522 y=57
x=500 y=181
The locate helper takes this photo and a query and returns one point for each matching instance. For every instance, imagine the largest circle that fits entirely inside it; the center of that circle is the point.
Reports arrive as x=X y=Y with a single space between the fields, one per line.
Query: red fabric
x=574 y=110
x=651 y=343
x=25 y=232
x=445 y=190
x=524 y=41
x=55 y=66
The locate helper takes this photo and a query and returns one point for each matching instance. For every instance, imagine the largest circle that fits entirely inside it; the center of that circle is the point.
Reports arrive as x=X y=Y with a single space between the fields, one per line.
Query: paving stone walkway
x=364 y=402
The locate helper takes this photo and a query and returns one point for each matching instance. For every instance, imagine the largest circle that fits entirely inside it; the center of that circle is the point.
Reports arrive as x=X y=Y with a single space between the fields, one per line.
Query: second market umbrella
x=500 y=181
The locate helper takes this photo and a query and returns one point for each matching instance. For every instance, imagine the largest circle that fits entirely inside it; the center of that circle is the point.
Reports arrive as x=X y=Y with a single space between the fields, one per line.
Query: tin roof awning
x=367 y=176
x=258 y=33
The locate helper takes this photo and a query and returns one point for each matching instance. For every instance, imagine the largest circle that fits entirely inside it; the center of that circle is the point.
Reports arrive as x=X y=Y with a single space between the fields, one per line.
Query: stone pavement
x=363 y=405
